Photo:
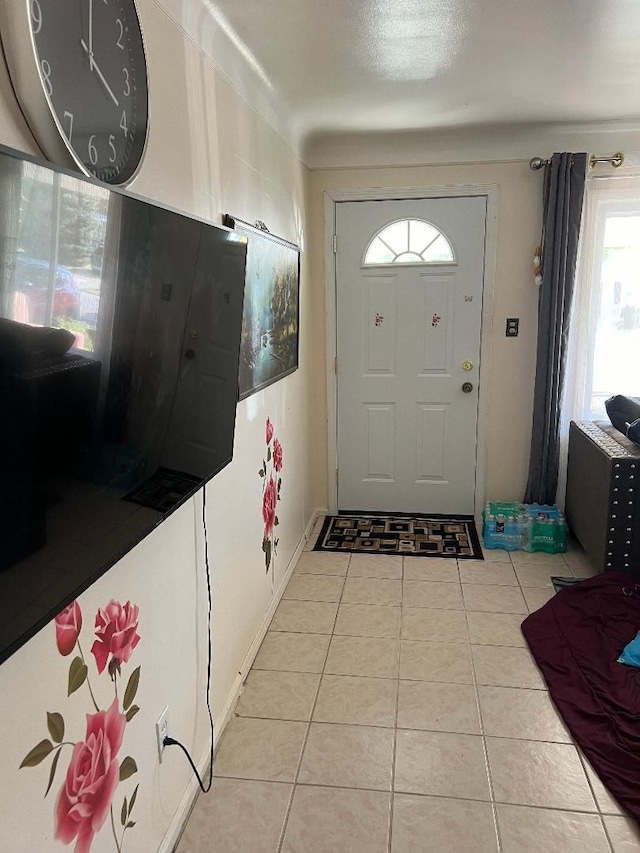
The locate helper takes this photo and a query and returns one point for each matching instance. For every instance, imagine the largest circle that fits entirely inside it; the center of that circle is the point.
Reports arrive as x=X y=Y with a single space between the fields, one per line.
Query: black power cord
x=169 y=741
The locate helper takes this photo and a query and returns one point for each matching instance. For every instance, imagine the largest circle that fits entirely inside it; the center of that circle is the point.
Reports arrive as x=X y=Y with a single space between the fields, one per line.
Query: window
x=61 y=231
x=605 y=327
x=408 y=241
x=616 y=297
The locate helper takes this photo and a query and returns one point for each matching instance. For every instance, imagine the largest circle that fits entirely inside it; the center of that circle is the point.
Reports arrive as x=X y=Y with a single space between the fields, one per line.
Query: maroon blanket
x=576 y=639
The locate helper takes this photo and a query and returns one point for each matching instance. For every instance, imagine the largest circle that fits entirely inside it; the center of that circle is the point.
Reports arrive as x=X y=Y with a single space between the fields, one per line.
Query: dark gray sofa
x=603 y=496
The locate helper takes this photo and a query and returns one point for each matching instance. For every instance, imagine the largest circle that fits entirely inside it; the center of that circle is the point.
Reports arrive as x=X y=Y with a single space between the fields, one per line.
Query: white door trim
x=331 y=197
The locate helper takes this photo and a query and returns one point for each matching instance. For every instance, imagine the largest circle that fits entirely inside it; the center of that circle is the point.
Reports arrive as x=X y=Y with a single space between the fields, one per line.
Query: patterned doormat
x=413 y=536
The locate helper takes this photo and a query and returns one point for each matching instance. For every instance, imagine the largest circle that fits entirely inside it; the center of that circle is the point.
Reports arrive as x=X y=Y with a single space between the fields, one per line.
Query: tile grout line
x=397 y=678
x=285 y=823
x=567 y=809
x=494 y=811
x=591 y=787
x=572 y=741
x=531 y=609
x=582 y=759
x=395 y=726
x=409 y=728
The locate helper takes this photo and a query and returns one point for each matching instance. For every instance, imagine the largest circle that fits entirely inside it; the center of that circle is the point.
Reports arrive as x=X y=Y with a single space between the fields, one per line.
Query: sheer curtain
x=583 y=399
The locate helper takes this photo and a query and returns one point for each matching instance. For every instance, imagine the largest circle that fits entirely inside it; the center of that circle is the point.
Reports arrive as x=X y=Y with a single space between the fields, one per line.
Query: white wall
x=472 y=144
x=208 y=153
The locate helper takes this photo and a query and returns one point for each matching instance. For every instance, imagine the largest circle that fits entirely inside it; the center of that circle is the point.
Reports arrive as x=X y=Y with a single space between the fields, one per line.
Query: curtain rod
x=616 y=160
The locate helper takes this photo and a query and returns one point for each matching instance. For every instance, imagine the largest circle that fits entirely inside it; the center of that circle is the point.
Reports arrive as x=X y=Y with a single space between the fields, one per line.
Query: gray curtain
x=563 y=196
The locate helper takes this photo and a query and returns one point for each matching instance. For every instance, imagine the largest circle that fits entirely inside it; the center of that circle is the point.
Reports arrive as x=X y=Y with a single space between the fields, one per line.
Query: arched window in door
x=408 y=241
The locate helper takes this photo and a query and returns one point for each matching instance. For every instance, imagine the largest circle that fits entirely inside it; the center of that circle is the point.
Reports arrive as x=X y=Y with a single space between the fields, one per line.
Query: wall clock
x=79 y=72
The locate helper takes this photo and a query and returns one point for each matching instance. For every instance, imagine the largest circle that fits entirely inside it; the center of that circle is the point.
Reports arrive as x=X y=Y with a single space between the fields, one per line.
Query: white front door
x=196 y=441
x=409 y=311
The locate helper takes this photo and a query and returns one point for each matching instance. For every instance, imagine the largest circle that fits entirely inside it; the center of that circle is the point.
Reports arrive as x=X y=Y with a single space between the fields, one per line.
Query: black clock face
x=93 y=70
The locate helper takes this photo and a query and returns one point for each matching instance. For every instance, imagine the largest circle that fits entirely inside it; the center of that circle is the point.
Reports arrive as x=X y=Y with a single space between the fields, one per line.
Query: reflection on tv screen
x=119 y=340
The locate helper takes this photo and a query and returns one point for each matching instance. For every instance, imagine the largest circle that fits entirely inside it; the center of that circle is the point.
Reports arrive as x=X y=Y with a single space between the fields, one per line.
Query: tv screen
x=120 y=327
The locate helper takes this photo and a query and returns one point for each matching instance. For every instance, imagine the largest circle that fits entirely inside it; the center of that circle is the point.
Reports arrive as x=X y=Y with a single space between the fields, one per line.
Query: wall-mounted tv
x=120 y=327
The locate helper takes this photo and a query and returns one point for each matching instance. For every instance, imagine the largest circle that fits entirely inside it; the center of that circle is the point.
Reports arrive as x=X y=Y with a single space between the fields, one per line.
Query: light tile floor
x=394 y=708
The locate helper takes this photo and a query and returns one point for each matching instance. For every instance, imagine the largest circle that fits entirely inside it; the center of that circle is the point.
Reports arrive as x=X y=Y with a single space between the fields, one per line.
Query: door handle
x=467 y=387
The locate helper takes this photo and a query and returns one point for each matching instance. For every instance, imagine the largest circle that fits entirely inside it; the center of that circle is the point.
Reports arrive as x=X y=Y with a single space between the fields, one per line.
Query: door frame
x=331 y=199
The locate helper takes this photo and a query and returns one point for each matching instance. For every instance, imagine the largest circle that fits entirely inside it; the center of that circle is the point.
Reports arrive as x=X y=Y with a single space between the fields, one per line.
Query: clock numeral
x=123 y=123
x=127 y=85
x=70 y=117
x=36 y=16
x=121 y=28
x=93 y=153
x=46 y=76
x=113 y=155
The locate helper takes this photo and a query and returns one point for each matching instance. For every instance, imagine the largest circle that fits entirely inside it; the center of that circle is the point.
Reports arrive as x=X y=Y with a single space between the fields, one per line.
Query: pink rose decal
x=269 y=500
x=117 y=633
x=68 y=626
x=94 y=772
x=271 y=467
x=92 y=777
x=277 y=455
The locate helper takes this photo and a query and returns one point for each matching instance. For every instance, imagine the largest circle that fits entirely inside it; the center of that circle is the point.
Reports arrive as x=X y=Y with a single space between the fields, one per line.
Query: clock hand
x=93 y=65
x=91 y=28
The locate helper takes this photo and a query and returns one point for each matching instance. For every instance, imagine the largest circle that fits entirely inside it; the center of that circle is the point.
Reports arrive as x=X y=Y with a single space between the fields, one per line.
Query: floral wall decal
x=270 y=473
x=435 y=319
x=85 y=800
x=116 y=630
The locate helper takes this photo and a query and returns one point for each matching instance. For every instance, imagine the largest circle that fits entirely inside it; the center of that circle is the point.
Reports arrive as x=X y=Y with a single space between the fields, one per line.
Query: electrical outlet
x=162 y=730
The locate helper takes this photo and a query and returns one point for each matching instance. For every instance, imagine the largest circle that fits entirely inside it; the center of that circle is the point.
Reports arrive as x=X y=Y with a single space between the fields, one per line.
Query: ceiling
x=354 y=66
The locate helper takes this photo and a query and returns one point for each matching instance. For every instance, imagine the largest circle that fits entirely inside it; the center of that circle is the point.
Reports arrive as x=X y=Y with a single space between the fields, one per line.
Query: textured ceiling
x=385 y=65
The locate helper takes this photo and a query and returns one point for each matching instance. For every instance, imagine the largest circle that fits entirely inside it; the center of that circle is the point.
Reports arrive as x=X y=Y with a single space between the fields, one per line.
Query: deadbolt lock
x=467 y=387
x=467 y=365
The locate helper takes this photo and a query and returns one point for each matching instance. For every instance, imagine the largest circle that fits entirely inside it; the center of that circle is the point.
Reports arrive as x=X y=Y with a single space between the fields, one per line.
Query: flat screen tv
x=120 y=327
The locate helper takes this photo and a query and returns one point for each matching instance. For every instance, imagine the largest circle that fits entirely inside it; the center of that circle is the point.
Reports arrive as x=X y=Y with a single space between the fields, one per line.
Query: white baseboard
x=312 y=523
x=181 y=815
x=247 y=663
